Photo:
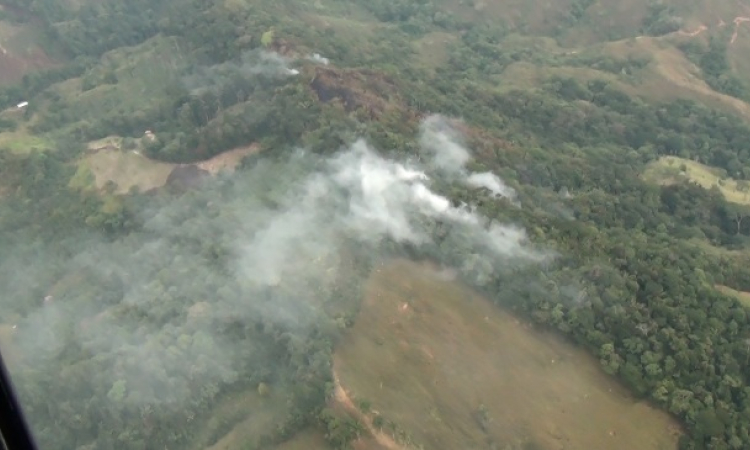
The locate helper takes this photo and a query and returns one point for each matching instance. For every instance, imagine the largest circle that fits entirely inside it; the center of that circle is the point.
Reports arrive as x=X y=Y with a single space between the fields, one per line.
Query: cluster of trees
x=642 y=253
x=714 y=64
x=660 y=20
x=183 y=331
x=414 y=17
x=649 y=307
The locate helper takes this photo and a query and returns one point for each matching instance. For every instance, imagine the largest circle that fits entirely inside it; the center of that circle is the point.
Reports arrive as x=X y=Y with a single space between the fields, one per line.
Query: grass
x=253 y=416
x=429 y=354
x=670 y=169
x=671 y=75
x=743 y=297
x=108 y=162
x=23 y=48
x=143 y=73
x=354 y=32
x=21 y=142
x=537 y=17
x=127 y=169
x=305 y=440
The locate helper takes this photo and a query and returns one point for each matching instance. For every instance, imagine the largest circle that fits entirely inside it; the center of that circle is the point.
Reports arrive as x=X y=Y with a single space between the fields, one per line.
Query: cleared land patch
x=456 y=371
x=306 y=440
x=20 y=49
x=108 y=162
x=254 y=416
x=742 y=296
x=127 y=80
x=21 y=142
x=669 y=75
x=125 y=169
x=671 y=169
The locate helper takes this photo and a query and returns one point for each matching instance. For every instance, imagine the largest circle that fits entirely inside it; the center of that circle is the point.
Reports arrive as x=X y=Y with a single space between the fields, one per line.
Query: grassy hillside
x=24 y=47
x=671 y=169
x=597 y=112
x=444 y=365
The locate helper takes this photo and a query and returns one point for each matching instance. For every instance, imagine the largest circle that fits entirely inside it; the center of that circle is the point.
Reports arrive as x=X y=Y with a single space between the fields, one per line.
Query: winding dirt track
x=343 y=399
x=739 y=20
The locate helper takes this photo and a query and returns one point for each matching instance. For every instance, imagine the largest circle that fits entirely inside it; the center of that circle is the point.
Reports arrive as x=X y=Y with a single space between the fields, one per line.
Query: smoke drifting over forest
x=263 y=246
x=251 y=64
x=442 y=145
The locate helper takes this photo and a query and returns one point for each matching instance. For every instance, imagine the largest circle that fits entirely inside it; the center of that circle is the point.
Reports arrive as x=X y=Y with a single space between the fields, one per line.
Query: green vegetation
x=671 y=169
x=550 y=390
x=714 y=63
x=743 y=297
x=138 y=322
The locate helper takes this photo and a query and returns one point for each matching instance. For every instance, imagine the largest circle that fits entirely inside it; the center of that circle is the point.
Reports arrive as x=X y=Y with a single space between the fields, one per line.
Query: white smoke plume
x=317 y=58
x=491 y=182
x=280 y=225
x=252 y=63
x=442 y=144
x=443 y=147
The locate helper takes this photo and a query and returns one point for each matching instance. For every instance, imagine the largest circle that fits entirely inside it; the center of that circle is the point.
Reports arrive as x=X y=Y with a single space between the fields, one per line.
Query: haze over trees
x=137 y=315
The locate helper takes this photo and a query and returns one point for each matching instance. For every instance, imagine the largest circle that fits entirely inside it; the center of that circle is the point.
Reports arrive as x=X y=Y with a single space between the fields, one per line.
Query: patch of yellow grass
x=742 y=296
x=109 y=142
x=125 y=169
x=130 y=168
x=670 y=169
x=430 y=355
x=228 y=160
x=670 y=75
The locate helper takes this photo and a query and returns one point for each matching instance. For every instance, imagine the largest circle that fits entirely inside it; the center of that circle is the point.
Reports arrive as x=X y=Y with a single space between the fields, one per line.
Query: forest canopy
x=384 y=129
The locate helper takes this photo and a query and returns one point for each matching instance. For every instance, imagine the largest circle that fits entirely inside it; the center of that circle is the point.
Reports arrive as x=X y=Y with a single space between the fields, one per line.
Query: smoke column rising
x=281 y=224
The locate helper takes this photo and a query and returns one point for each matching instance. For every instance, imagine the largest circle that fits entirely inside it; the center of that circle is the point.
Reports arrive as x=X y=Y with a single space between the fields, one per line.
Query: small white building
x=22 y=105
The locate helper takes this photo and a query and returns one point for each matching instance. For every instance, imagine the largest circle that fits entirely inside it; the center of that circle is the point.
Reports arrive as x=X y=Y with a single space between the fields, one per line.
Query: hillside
x=382 y=224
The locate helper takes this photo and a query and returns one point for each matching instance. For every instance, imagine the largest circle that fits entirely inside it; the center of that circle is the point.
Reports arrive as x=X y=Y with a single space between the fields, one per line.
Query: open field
x=306 y=440
x=108 y=162
x=22 y=142
x=743 y=297
x=254 y=416
x=668 y=76
x=125 y=169
x=21 y=49
x=140 y=77
x=455 y=371
x=671 y=75
x=668 y=169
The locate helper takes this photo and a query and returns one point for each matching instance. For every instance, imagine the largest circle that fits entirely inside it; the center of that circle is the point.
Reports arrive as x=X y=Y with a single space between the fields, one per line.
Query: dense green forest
x=113 y=294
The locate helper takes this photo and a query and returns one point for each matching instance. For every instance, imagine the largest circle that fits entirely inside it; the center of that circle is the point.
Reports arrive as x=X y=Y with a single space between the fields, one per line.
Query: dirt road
x=343 y=399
